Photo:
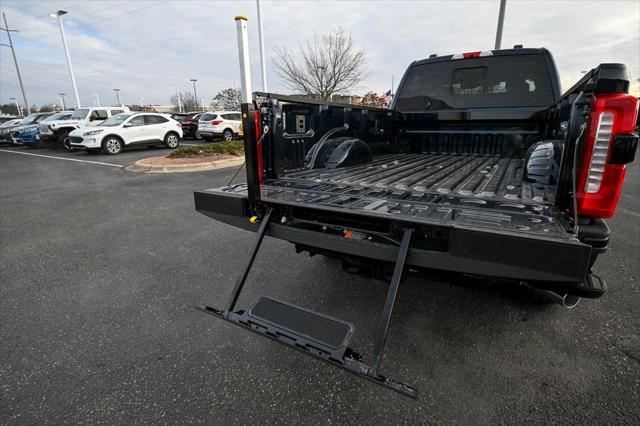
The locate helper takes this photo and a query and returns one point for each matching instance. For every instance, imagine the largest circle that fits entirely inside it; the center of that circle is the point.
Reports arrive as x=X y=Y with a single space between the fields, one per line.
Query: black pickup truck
x=481 y=167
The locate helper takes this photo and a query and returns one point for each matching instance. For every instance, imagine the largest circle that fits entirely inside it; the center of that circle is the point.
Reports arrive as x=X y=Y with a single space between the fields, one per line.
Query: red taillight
x=256 y=123
x=188 y=122
x=599 y=182
x=468 y=55
x=216 y=122
x=178 y=125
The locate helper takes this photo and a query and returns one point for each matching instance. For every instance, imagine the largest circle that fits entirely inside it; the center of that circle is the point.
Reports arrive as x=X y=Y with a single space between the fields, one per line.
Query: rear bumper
x=208 y=133
x=469 y=251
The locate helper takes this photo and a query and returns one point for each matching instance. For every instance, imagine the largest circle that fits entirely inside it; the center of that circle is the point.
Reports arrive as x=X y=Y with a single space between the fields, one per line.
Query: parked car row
x=209 y=125
x=95 y=129
x=112 y=129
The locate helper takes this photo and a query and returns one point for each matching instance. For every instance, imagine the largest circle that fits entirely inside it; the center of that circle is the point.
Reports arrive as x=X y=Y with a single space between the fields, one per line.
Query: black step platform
x=308 y=328
x=310 y=332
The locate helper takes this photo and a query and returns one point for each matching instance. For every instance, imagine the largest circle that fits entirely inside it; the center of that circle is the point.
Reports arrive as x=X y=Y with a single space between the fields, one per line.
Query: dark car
x=189 y=121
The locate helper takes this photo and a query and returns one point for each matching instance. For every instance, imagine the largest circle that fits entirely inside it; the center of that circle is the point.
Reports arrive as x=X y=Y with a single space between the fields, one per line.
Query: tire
x=64 y=143
x=227 y=135
x=172 y=140
x=198 y=136
x=112 y=145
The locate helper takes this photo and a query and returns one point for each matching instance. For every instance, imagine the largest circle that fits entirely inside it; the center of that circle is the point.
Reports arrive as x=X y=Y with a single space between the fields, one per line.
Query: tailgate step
x=307 y=328
x=312 y=333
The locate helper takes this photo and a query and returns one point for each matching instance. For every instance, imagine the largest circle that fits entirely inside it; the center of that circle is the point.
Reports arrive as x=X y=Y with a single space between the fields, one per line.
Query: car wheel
x=64 y=142
x=227 y=135
x=198 y=136
x=172 y=140
x=112 y=145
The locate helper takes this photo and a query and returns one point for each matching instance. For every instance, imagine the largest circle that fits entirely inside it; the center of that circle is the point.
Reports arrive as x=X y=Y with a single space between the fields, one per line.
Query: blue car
x=29 y=134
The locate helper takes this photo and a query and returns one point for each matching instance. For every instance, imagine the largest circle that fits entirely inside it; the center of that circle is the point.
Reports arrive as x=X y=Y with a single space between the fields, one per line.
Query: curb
x=182 y=168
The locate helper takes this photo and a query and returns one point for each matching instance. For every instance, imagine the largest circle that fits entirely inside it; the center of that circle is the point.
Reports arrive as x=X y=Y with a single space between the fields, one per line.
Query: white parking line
x=62 y=158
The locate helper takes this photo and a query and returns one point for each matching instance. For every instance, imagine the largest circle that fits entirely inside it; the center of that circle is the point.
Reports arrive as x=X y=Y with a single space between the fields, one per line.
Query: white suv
x=223 y=124
x=59 y=130
x=128 y=130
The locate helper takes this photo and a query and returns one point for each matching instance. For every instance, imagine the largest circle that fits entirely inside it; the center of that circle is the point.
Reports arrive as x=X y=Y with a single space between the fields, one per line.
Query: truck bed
x=435 y=189
x=483 y=177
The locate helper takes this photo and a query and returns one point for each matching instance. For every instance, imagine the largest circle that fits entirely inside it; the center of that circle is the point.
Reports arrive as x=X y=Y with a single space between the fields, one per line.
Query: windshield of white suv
x=115 y=120
x=80 y=114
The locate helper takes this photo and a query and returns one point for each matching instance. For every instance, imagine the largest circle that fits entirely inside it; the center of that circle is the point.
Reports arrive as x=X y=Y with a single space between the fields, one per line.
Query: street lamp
x=58 y=16
x=195 y=94
x=17 y=106
x=97 y=102
x=15 y=60
x=118 y=96
x=62 y=101
x=180 y=109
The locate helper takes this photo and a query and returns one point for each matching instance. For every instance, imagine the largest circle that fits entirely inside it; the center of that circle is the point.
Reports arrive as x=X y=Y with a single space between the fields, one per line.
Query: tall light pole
x=62 y=101
x=503 y=6
x=180 y=109
x=118 y=96
x=97 y=99
x=195 y=94
x=17 y=106
x=15 y=60
x=58 y=16
x=261 y=41
x=243 y=53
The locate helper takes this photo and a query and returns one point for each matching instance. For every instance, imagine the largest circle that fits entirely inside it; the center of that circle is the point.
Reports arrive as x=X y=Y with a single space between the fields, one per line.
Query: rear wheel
x=112 y=145
x=227 y=135
x=198 y=136
x=172 y=140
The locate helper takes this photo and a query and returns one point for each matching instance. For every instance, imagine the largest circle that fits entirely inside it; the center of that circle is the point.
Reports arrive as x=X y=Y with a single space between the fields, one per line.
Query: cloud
x=145 y=48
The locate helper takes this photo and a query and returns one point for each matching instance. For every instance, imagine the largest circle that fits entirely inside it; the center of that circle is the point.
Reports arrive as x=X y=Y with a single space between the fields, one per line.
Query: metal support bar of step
x=233 y=299
x=383 y=327
x=309 y=332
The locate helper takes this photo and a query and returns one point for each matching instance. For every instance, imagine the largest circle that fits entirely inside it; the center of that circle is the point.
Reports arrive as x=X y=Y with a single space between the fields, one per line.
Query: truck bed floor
x=463 y=190
x=491 y=177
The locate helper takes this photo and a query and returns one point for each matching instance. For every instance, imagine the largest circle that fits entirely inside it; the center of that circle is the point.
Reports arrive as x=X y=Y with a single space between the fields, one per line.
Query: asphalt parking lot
x=100 y=269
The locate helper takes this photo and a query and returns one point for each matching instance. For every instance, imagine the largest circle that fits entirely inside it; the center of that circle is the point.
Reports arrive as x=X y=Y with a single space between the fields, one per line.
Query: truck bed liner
x=481 y=176
x=469 y=191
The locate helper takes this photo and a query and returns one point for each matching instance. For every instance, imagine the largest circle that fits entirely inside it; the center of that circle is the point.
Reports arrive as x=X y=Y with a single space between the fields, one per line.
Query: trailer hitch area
x=312 y=333
x=567 y=300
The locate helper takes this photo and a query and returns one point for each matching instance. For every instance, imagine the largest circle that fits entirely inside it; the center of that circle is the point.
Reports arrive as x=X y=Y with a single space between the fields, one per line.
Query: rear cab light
x=609 y=144
x=469 y=55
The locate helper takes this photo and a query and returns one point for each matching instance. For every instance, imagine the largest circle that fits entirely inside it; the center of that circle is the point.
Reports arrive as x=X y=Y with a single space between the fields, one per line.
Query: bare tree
x=188 y=101
x=372 y=99
x=328 y=64
x=229 y=99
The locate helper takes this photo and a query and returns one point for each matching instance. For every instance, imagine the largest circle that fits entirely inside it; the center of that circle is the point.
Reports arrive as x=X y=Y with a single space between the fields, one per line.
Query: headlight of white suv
x=91 y=133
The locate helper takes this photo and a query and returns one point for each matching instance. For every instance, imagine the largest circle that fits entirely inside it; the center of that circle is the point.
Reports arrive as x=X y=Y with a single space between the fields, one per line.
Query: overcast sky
x=145 y=48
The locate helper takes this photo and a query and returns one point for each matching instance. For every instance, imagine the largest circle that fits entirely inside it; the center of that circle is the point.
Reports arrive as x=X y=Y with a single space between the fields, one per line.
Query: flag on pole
x=387 y=97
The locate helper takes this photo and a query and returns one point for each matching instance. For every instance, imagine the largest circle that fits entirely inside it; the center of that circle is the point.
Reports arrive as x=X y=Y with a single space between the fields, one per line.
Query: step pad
x=303 y=325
